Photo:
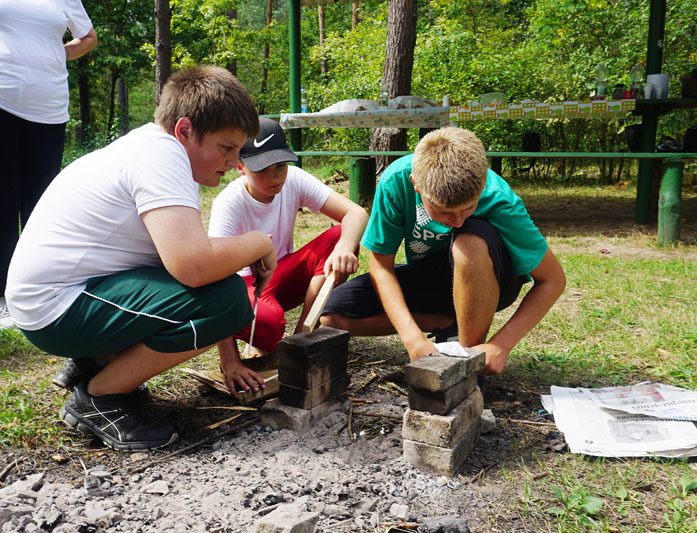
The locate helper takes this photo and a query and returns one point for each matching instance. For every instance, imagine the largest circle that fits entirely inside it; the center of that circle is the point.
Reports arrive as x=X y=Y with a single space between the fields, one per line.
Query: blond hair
x=449 y=167
x=211 y=97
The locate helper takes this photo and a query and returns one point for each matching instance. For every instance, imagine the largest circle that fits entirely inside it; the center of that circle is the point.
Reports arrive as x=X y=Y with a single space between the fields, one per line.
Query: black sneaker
x=448 y=334
x=114 y=421
x=76 y=370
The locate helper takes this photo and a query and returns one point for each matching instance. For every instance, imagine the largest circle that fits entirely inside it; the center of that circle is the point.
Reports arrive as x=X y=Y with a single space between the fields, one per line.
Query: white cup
x=648 y=90
x=658 y=84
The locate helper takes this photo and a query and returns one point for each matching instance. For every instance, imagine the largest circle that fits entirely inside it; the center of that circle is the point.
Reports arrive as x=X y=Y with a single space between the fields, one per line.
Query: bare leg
x=133 y=366
x=380 y=325
x=310 y=296
x=475 y=289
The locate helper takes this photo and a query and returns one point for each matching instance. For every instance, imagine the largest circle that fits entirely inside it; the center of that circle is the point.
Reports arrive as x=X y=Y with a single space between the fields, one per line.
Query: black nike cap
x=268 y=148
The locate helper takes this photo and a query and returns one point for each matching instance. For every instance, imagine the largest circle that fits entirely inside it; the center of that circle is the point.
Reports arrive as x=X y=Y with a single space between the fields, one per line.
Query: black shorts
x=428 y=284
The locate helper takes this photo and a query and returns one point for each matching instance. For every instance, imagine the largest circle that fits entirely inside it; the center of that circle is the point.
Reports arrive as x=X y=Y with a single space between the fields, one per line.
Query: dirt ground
x=227 y=479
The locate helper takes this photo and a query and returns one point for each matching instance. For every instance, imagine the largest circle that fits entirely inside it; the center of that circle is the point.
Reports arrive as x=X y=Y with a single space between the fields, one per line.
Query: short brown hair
x=450 y=167
x=211 y=97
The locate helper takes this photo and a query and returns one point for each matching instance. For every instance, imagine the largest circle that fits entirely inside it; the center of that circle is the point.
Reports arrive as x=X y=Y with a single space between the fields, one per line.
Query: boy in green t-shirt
x=470 y=246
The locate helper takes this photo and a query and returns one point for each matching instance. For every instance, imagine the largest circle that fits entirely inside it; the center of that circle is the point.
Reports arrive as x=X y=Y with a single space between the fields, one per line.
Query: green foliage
x=576 y=505
x=541 y=49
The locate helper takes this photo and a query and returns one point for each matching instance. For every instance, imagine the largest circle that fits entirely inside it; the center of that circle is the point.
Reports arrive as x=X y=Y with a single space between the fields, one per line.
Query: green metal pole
x=362 y=180
x=669 y=202
x=649 y=118
x=296 y=139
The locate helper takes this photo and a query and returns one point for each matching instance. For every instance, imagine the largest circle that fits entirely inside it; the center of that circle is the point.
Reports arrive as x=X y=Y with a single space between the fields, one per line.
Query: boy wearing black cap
x=266 y=197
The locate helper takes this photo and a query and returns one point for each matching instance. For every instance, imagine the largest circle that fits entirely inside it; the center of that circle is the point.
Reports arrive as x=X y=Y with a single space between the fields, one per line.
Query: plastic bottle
x=383 y=99
x=601 y=82
x=637 y=77
x=303 y=100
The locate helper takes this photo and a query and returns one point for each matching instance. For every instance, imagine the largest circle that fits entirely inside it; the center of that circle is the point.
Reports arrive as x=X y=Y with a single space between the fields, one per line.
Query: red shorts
x=286 y=289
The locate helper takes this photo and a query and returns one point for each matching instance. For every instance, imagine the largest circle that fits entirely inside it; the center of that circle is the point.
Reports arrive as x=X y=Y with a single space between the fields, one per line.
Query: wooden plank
x=216 y=379
x=318 y=305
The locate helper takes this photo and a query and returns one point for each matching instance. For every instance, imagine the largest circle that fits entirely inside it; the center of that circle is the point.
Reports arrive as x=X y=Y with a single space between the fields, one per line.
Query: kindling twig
x=481 y=473
x=350 y=423
x=9 y=467
x=530 y=422
x=193 y=446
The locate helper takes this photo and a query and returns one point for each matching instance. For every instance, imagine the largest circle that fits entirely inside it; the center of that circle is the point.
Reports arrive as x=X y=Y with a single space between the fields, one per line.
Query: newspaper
x=648 y=398
x=594 y=430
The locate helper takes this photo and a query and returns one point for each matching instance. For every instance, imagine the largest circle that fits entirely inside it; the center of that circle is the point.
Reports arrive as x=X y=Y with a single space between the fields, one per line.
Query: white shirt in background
x=33 y=72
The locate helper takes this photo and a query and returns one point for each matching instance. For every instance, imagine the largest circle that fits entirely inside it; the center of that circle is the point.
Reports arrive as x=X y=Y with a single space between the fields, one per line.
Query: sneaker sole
x=87 y=428
x=58 y=382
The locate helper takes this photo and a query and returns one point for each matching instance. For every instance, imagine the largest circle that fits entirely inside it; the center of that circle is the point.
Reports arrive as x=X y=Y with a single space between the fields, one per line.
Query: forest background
x=546 y=50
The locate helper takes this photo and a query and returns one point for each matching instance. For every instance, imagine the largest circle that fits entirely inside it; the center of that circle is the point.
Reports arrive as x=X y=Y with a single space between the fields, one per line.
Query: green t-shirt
x=398 y=215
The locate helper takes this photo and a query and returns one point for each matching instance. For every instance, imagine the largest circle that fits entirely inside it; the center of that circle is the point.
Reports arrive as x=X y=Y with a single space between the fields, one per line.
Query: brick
x=306 y=363
x=321 y=339
x=278 y=416
x=440 y=403
x=443 y=430
x=314 y=376
x=443 y=461
x=309 y=398
x=440 y=372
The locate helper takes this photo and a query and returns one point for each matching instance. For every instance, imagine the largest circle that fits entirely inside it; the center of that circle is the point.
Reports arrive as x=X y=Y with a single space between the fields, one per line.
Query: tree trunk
x=84 y=133
x=112 y=103
x=399 y=61
x=265 y=63
x=354 y=15
x=232 y=65
x=163 y=45
x=122 y=98
x=320 y=24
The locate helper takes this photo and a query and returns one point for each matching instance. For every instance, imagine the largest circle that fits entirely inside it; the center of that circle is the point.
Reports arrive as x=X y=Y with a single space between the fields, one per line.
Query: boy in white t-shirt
x=266 y=197
x=114 y=266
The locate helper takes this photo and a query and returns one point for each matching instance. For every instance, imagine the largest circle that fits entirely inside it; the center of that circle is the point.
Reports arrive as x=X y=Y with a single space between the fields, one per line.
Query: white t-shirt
x=33 y=73
x=88 y=223
x=235 y=211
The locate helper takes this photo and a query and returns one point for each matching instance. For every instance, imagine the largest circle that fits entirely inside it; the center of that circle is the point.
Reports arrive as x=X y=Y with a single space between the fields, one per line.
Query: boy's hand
x=496 y=358
x=343 y=262
x=262 y=270
x=238 y=376
x=421 y=348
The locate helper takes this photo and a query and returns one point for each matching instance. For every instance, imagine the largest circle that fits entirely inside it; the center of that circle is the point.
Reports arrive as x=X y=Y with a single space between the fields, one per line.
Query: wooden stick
x=318 y=305
x=193 y=446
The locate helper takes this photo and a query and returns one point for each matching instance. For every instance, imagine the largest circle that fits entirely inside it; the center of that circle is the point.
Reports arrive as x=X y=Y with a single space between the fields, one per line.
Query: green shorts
x=146 y=305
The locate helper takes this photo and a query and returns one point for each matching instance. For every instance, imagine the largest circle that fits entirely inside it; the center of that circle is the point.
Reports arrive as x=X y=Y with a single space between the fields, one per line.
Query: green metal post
x=669 y=202
x=362 y=180
x=649 y=118
x=296 y=139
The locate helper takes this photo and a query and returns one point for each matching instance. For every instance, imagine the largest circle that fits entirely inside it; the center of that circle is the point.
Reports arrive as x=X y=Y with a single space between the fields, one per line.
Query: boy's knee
x=471 y=250
x=335 y=321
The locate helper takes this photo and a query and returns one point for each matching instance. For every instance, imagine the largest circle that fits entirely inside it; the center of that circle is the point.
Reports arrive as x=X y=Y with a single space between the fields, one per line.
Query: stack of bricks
x=443 y=421
x=312 y=367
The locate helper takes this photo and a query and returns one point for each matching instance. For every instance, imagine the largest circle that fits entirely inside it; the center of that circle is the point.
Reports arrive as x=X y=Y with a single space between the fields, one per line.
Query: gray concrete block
x=440 y=372
x=311 y=362
x=321 y=339
x=440 y=403
x=443 y=430
x=309 y=398
x=315 y=374
x=278 y=416
x=443 y=461
x=287 y=519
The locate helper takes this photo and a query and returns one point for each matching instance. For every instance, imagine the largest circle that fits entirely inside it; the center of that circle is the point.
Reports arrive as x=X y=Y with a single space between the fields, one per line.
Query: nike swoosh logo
x=259 y=144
